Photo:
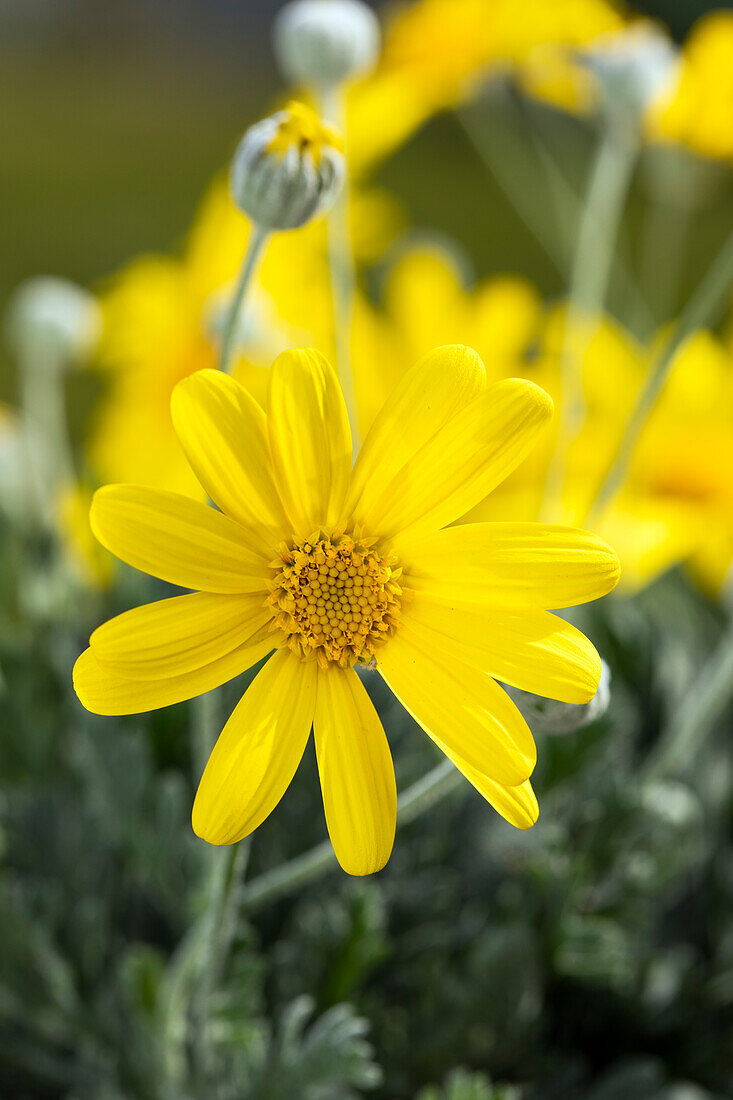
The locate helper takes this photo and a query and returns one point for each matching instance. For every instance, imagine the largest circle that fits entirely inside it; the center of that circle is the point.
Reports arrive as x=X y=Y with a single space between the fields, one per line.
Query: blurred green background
x=115 y=116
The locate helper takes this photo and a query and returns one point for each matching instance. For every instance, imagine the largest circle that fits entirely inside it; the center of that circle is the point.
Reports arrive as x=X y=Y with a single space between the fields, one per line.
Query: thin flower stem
x=595 y=248
x=341 y=268
x=697 y=714
x=704 y=302
x=255 y=245
x=49 y=460
x=281 y=881
x=202 y=955
x=515 y=163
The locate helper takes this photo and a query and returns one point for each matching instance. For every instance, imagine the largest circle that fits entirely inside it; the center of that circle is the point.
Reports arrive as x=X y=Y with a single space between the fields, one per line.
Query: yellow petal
x=172 y=637
x=535 y=651
x=177 y=539
x=511 y=566
x=428 y=395
x=223 y=432
x=462 y=709
x=310 y=439
x=102 y=691
x=357 y=776
x=461 y=464
x=258 y=751
x=517 y=805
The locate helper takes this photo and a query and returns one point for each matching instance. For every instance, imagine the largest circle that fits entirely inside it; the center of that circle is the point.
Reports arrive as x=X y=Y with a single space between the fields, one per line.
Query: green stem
x=281 y=881
x=697 y=714
x=706 y=299
x=49 y=460
x=255 y=245
x=598 y=231
x=342 y=270
x=197 y=965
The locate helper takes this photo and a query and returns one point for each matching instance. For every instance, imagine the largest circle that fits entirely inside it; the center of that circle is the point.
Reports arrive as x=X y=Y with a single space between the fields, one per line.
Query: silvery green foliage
x=51 y=316
x=462 y=1085
x=587 y=959
x=325 y=42
x=282 y=190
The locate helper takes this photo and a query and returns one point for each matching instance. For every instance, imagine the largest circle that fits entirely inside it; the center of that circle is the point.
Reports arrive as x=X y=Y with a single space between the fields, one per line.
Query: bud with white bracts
x=323 y=43
x=287 y=169
x=53 y=319
x=551 y=716
x=633 y=68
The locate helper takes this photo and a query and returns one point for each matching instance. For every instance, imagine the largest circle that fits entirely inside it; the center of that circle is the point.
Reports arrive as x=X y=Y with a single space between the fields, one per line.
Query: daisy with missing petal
x=331 y=567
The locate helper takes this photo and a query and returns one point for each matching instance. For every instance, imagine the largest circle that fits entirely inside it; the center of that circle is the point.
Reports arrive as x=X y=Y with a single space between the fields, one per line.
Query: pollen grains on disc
x=336 y=597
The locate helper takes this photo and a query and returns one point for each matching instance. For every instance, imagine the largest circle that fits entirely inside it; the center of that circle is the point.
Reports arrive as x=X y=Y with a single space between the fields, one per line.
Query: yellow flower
x=332 y=566
x=438 y=52
x=677 y=502
x=697 y=111
x=90 y=560
x=160 y=317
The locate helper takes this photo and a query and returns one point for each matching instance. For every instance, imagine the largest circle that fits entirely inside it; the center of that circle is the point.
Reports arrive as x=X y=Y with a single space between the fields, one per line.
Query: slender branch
x=697 y=714
x=704 y=302
x=281 y=881
x=594 y=253
x=255 y=245
x=342 y=269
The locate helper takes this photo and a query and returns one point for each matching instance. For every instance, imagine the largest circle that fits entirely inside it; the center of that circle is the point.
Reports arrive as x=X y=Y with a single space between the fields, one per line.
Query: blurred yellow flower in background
x=162 y=316
x=697 y=110
x=677 y=502
x=438 y=52
x=333 y=566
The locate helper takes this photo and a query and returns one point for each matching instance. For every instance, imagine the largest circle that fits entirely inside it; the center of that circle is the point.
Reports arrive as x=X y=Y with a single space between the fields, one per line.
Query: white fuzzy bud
x=53 y=318
x=326 y=42
x=554 y=717
x=633 y=67
x=287 y=169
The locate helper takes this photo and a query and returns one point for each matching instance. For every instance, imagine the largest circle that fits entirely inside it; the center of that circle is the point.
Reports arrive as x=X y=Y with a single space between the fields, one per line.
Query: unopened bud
x=633 y=68
x=52 y=318
x=326 y=42
x=554 y=717
x=287 y=169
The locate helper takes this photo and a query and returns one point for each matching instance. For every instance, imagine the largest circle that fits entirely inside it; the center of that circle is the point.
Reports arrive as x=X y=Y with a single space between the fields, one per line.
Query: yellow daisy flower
x=332 y=567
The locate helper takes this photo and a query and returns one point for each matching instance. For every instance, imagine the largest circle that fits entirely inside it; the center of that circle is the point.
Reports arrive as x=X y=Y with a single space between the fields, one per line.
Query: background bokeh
x=590 y=959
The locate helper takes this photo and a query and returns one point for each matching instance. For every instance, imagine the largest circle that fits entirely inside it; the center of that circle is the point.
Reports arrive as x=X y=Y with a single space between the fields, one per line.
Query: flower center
x=335 y=597
x=301 y=127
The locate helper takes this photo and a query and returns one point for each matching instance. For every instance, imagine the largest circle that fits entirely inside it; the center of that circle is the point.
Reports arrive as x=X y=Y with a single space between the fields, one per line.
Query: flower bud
x=287 y=169
x=325 y=42
x=554 y=717
x=47 y=316
x=633 y=68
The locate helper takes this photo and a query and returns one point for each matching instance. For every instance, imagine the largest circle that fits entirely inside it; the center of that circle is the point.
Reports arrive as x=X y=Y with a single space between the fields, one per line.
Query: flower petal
x=258 y=751
x=310 y=439
x=463 y=710
x=536 y=651
x=102 y=691
x=357 y=775
x=223 y=432
x=517 y=805
x=511 y=566
x=470 y=455
x=428 y=395
x=175 y=636
x=176 y=539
